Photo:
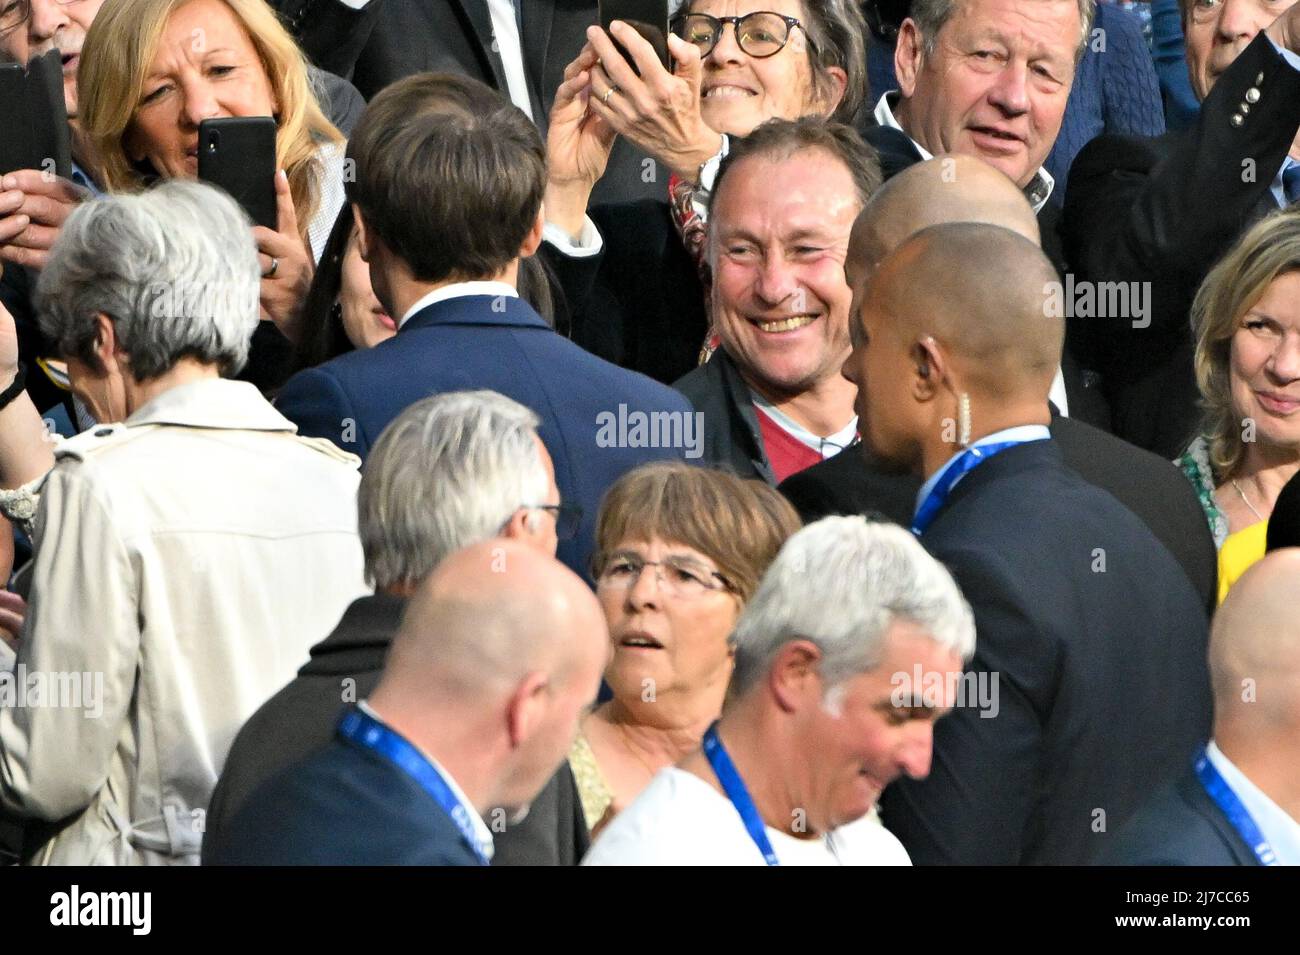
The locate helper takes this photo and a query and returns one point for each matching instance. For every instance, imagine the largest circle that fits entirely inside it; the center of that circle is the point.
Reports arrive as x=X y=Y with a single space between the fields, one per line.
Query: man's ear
x=930 y=368
x=533 y=240
x=363 y=233
x=526 y=709
x=794 y=677
x=908 y=53
x=521 y=526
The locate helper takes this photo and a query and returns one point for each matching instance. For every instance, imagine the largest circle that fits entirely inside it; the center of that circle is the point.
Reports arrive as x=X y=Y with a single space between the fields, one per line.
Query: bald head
x=935 y=192
x=980 y=291
x=1255 y=646
x=487 y=617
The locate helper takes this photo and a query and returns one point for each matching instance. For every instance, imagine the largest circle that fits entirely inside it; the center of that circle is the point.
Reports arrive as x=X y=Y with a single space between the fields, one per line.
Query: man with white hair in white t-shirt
x=850 y=651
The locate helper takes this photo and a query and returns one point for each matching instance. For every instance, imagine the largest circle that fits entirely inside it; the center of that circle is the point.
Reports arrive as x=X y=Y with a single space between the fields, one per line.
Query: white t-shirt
x=679 y=819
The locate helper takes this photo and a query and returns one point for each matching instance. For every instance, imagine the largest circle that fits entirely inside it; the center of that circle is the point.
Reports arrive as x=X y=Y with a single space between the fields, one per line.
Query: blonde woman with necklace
x=1246 y=318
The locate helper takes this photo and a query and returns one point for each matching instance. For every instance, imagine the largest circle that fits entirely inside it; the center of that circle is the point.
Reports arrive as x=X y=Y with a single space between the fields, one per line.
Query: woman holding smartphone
x=152 y=70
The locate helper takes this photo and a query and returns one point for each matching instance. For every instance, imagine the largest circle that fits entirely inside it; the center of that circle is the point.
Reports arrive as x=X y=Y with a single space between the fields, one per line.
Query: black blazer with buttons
x=1098 y=643
x=1163 y=211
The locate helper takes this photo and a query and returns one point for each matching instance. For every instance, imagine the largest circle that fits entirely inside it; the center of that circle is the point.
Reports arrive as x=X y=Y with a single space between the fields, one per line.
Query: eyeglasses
x=14 y=13
x=760 y=34
x=678 y=576
x=567 y=518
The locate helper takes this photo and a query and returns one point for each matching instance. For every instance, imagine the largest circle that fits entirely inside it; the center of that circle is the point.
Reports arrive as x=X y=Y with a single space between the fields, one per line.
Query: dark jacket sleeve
x=640 y=302
x=331 y=33
x=1163 y=211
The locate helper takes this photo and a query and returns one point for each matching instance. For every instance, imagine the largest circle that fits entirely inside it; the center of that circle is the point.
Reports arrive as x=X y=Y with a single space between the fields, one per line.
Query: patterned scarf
x=693 y=230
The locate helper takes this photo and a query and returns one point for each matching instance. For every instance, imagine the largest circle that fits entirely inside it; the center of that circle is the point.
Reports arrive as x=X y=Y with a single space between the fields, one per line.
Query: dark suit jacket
x=484 y=342
x=897 y=152
x=392 y=39
x=1098 y=644
x=342 y=805
x=639 y=302
x=1163 y=211
x=344 y=667
x=732 y=439
x=1149 y=486
x=1179 y=825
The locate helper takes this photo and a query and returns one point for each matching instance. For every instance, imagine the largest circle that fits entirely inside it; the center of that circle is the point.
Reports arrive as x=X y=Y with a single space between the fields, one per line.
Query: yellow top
x=1238 y=552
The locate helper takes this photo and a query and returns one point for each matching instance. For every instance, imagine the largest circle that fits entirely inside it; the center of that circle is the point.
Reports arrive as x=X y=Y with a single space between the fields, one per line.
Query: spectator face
x=52 y=25
x=995 y=86
x=877 y=726
x=1264 y=364
x=206 y=67
x=1218 y=30
x=740 y=91
x=672 y=632
x=780 y=232
x=364 y=320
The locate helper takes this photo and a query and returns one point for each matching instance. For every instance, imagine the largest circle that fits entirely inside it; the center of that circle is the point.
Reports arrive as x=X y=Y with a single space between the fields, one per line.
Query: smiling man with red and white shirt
x=782 y=208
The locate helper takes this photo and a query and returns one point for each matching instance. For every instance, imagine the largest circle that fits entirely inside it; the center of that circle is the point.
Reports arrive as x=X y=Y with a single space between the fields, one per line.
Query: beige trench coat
x=186 y=561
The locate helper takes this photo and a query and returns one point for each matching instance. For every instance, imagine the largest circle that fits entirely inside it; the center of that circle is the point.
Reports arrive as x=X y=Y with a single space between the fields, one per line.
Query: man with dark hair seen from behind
x=448 y=199
x=1094 y=636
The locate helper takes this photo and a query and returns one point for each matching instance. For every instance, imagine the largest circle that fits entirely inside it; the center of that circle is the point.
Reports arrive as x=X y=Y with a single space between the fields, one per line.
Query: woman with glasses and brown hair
x=633 y=273
x=1246 y=317
x=679 y=549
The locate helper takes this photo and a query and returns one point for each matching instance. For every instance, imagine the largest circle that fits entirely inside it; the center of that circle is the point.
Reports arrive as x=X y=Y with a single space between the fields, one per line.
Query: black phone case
x=648 y=17
x=238 y=154
x=34 y=130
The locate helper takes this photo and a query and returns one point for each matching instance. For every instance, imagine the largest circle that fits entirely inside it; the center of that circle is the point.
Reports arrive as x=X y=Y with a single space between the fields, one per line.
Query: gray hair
x=930 y=16
x=174 y=268
x=841 y=583
x=449 y=471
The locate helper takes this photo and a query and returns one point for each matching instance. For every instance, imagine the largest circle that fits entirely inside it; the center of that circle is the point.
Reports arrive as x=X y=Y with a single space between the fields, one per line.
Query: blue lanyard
x=1237 y=814
x=365 y=730
x=735 y=789
x=938 y=496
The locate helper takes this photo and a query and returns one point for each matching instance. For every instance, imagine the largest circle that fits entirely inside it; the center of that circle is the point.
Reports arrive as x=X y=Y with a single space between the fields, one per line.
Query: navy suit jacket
x=1098 y=643
x=482 y=341
x=342 y=805
x=1180 y=825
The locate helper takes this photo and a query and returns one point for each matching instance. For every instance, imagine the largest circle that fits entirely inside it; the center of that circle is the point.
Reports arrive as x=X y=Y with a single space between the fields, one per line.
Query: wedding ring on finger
x=275 y=267
x=608 y=93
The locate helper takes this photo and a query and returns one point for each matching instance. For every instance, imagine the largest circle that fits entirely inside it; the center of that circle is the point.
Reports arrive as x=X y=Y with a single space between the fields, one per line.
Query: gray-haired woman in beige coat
x=185 y=559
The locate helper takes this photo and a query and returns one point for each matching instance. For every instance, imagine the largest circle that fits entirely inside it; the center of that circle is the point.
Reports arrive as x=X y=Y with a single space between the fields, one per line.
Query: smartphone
x=33 y=117
x=648 y=17
x=237 y=153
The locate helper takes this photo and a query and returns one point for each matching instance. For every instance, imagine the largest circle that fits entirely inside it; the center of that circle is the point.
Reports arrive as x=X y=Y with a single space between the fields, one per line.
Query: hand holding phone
x=237 y=153
x=648 y=17
x=657 y=110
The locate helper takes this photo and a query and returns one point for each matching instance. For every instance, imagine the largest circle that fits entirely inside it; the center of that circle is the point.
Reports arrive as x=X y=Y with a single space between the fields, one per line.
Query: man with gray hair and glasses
x=846 y=657
x=452 y=470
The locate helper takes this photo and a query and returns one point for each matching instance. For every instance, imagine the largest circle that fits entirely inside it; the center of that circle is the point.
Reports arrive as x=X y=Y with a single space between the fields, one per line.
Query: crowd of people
x=742 y=452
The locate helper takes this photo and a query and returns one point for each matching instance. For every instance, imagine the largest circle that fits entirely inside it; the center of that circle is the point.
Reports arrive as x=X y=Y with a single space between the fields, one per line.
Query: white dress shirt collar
x=1281 y=831
x=459 y=290
x=1022 y=433
x=1039 y=188
x=481 y=830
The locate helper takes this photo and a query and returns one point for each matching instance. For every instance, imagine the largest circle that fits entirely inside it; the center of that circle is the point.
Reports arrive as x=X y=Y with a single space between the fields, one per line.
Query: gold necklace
x=1245 y=500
